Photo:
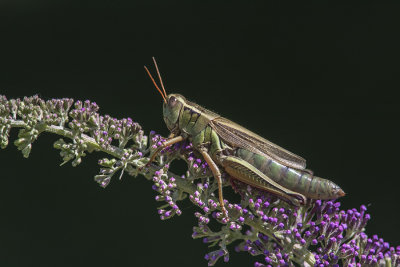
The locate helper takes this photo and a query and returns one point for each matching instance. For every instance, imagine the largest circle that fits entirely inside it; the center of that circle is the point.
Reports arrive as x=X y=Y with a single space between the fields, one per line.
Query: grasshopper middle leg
x=217 y=175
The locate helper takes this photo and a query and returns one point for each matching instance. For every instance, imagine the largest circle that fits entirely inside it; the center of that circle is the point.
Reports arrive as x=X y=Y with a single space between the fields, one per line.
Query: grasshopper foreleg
x=170 y=141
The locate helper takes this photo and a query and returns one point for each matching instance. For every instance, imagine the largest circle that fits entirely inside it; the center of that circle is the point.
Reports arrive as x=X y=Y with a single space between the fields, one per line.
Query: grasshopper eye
x=172 y=101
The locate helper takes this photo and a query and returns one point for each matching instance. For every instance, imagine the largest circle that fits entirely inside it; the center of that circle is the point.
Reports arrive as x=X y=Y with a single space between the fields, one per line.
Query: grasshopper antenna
x=155 y=84
x=159 y=76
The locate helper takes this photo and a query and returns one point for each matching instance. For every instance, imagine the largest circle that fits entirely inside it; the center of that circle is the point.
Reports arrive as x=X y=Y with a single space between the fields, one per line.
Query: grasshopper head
x=171 y=109
x=172 y=102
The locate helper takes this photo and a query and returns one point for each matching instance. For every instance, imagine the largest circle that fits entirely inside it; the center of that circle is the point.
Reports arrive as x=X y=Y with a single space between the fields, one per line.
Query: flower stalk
x=275 y=232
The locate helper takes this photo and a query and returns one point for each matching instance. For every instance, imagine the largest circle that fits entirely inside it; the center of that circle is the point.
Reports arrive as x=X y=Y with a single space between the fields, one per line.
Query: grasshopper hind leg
x=243 y=171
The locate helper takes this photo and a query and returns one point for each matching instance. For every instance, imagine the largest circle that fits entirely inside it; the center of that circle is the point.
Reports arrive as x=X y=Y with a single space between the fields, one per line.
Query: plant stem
x=183 y=184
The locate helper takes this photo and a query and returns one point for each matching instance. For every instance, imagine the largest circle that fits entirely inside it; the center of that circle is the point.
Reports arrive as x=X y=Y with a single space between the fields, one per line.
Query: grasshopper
x=242 y=154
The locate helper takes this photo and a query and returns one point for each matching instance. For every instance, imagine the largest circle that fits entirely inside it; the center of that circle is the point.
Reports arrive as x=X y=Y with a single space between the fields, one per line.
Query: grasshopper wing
x=238 y=136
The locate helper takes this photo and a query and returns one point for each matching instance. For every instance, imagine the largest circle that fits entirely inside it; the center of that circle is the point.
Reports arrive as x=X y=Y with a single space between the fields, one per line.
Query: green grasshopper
x=242 y=154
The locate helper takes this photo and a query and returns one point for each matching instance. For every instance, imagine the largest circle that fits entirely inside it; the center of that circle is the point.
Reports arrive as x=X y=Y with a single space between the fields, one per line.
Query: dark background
x=318 y=79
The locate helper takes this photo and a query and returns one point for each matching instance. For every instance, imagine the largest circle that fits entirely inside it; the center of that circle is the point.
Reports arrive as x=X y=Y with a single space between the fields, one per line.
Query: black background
x=318 y=79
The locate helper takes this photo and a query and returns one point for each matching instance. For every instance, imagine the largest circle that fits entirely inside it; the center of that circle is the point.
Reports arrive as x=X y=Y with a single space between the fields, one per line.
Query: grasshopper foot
x=225 y=219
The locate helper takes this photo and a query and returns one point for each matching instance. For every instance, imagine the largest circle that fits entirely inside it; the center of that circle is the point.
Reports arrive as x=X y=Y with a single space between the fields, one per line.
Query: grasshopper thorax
x=171 y=109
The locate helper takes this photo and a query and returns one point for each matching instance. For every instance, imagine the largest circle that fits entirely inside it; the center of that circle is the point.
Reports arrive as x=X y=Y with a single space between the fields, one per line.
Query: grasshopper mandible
x=242 y=154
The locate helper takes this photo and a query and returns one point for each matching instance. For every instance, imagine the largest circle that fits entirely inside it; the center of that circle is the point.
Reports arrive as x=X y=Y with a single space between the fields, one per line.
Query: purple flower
x=266 y=227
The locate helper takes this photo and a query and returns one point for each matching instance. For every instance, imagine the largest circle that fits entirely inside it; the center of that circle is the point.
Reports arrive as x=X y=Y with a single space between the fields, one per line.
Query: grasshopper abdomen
x=296 y=180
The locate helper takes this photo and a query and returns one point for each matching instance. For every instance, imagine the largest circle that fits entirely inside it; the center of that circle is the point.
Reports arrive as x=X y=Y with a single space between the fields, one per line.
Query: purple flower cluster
x=165 y=186
x=56 y=112
x=35 y=113
x=104 y=129
x=33 y=109
x=316 y=234
x=156 y=141
x=197 y=165
x=106 y=173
